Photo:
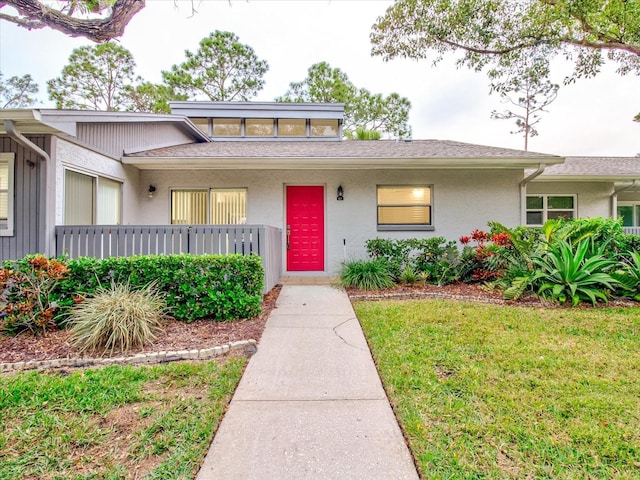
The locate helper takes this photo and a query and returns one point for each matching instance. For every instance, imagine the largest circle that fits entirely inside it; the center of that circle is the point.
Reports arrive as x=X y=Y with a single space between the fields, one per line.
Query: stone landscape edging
x=146 y=358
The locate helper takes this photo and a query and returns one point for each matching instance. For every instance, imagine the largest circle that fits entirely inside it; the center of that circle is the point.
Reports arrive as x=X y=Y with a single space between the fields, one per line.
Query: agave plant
x=566 y=272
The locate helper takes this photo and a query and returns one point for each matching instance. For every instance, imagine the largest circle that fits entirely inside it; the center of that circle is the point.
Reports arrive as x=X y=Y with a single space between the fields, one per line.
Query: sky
x=591 y=117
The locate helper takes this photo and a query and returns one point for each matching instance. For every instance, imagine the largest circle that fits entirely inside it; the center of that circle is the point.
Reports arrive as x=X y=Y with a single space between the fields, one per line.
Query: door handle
x=288 y=237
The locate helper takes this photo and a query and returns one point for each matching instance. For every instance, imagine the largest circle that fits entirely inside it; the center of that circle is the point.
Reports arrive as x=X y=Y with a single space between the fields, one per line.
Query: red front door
x=305 y=228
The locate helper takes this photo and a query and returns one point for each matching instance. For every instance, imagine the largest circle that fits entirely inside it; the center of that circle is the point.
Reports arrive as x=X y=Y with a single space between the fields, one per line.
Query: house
x=232 y=176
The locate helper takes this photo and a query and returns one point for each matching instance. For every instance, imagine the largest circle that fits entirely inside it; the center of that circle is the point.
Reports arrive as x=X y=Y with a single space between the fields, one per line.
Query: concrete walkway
x=310 y=404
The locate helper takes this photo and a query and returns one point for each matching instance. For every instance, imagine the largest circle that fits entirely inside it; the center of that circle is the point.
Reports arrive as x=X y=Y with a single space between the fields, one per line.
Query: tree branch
x=35 y=15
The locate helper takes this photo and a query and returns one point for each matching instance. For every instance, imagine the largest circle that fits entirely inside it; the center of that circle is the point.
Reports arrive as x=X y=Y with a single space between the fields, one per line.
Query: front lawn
x=113 y=423
x=511 y=392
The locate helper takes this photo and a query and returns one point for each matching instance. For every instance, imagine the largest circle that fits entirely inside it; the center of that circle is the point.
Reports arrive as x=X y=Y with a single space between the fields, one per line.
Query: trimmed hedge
x=222 y=287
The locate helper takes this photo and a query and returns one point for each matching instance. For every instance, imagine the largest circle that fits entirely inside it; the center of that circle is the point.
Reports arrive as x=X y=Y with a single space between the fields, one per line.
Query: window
x=227 y=127
x=6 y=194
x=292 y=127
x=629 y=213
x=217 y=206
x=324 y=128
x=541 y=208
x=90 y=200
x=259 y=127
x=404 y=207
x=202 y=124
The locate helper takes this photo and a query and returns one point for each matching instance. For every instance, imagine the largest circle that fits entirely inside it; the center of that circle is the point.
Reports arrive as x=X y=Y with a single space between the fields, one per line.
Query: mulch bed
x=207 y=333
x=177 y=336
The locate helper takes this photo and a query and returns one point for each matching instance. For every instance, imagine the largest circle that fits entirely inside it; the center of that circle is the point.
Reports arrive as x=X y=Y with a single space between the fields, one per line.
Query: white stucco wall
x=462 y=200
x=593 y=198
x=83 y=160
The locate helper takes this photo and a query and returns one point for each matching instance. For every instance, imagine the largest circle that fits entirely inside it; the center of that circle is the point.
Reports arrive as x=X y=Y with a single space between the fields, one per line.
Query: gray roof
x=594 y=168
x=372 y=149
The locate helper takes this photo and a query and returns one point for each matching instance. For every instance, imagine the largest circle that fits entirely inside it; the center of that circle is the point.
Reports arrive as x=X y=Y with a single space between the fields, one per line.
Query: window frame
x=635 y=214
x=209 y=191
x=386 y=227
x=10 y=158
x=545 y=206
x=94 y=192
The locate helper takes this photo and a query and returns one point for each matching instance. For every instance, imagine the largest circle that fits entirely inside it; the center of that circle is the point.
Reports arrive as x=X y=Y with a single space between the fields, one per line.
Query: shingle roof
x=595 y=167
x=374 y=149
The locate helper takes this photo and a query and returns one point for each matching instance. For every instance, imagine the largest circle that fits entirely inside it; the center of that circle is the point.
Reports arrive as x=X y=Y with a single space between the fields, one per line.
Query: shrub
x=435 y=257
x=565 y=272
x=366 y=274
x=222 y=287
x=117 y=318
x=394 y=252
x=27 y=287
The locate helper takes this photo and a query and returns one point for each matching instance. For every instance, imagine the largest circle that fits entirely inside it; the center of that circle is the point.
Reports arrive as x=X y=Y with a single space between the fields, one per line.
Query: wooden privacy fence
x=103 y=241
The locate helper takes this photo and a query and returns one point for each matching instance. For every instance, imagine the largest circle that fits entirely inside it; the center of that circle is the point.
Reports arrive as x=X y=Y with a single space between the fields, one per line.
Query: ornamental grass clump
x=117 y=318
x=366 y=274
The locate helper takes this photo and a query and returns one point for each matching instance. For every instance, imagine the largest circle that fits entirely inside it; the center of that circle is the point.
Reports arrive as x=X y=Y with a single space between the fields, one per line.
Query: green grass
x=117 y=422
x=500 y=392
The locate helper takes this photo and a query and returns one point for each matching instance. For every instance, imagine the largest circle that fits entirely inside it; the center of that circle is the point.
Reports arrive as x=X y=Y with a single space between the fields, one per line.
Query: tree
x=363 y=110
x=70 y=17
x=97 y=77
x=529 y=90
x=223 y=69
x=16 y=92
x=149 y=97
x=499 y=33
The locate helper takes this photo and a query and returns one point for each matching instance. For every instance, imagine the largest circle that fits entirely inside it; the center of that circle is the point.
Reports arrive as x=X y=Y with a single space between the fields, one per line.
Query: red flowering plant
x=26 y=288
x=483 y=254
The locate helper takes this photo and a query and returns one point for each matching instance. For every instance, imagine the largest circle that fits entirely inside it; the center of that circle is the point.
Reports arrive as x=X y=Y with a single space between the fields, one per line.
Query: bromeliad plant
x=571 y=273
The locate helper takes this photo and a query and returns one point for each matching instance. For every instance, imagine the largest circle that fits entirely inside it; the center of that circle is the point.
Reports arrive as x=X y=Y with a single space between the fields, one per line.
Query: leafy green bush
x=566 y=272
x=117 y=318
x=222 y=287
x=27 y=291
x=394 y=252
x=366 y=274
x=435 y=258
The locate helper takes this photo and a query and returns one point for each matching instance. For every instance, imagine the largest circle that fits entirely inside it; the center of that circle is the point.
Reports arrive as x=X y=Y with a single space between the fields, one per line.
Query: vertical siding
x=114 y=138
x=28 y=196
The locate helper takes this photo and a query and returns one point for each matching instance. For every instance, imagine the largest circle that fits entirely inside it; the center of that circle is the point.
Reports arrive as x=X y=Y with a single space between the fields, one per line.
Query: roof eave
x=587 y=178
x=327 y=163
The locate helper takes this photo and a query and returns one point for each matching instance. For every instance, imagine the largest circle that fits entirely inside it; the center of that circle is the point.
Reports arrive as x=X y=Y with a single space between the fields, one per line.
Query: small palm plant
x=565 y=272
x=117 y=318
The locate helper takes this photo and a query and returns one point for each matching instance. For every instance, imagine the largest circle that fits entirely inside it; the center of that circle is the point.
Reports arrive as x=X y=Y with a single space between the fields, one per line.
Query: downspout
x=49 y=239
x=10 y=128
x=523 y=192
x=614 y=198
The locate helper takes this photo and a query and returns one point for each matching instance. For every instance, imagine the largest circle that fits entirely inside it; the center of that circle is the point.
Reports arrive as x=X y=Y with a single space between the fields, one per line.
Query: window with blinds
x=217 y=206
x=228 y=206
x=78 y=198
x=90 y=200
x=6 y=194
x=189 y=207
x=404 y=205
